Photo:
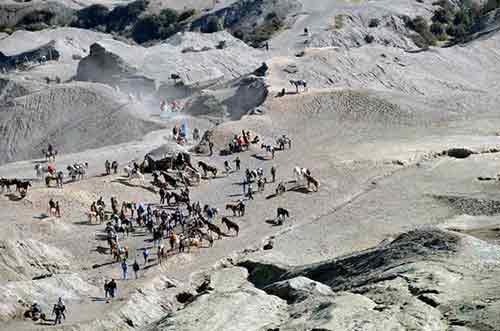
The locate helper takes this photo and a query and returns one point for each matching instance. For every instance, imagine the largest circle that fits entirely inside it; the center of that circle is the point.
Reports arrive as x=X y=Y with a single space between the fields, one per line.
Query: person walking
x=227 y=167
x=136 y=269
x=58 y=209
x=145 y=254
x=162 y=196
x=124 y=269
x=107 y=166
x=112 y=288
x=211 y=147
x=59 y=310
x=250 y=192
x=273 y=173
x=237 y=161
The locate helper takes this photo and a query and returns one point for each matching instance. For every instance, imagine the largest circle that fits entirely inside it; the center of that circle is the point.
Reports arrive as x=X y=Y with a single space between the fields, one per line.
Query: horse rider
x=273 y=173
x=107 y=165
x=59 y=310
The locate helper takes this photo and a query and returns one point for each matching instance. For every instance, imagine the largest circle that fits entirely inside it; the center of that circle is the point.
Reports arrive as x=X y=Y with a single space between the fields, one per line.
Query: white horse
x=128 y=170
x=299 y=173
x=135 y=174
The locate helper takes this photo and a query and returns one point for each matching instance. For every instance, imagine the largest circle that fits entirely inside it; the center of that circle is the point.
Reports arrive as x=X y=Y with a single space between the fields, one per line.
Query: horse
x=281 y=188
x=299 y=173
x=269 y=148
x=214 y=228
x=231 y=225
x=283 y=141
x=114 y=166
x=298 y=83
x=22 y=185
x=40 y=170
x=207 y=168
x=136 y=174
x=235 y=208
x=311 y=180
x=77 y=171
x=127 y=170
x=282 y=213
x=203 y=235
x=7 y=183
x=179 y=198
x=169 y=179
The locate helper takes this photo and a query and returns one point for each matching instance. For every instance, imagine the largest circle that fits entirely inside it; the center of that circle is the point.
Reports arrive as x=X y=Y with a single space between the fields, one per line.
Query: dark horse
x=207 y=168
x=282 y=213
x=169 y=179
x=22 y=185
x=4 y=182
x=231 y=225
x=236 y=208
x=214 y=228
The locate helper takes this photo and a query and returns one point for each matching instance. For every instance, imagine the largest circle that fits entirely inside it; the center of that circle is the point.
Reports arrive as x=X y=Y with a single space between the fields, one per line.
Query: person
x=60 y=179
x=107 y=166
x=36 y=311
x=106 y=289
x=267 y=46
x=136 y=269
x=196 y=134
x=241 y=205
x=112 y=288
x=162 y=196
x=273 y=173
x=174 y=132
x=250 y=192
x=58 y=209
x=173 y=239
x=244 y=184
x=125 y=269
x=159 y=253
x=227 y=166
x=58 y=310
x=211 y=147
x=145 y=254
x=237 y=162
x=52 y=207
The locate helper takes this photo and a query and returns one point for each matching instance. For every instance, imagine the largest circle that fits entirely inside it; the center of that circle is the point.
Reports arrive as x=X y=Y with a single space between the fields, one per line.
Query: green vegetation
x=339 y=21
x=214 y=24
x=132 y=21
x=91 y=17
x=423 y=37
x=154 y=27
x=262 y=32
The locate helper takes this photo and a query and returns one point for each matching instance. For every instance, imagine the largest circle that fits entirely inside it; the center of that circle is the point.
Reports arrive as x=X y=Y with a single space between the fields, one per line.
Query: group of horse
x=22 y=186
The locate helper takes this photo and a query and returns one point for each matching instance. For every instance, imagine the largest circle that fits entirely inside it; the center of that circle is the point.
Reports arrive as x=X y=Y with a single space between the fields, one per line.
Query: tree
x=91 y=16
x=146 y=29
x=168 y=16
x=437 y=28
x=214 y=24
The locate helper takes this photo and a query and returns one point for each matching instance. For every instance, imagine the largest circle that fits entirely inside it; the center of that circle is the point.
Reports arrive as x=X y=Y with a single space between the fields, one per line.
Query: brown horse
x=207 y=168
x=231 y=225
x=214 y=228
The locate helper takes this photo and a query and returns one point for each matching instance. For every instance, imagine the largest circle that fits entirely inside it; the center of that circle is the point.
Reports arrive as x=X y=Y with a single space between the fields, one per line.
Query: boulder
x=297 y=289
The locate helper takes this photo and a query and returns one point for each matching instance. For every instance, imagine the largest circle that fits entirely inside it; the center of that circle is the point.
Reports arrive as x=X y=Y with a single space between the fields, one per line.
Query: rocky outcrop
x=43 y=53
x=34 y=14
x=102 y=66
x=422 y=280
